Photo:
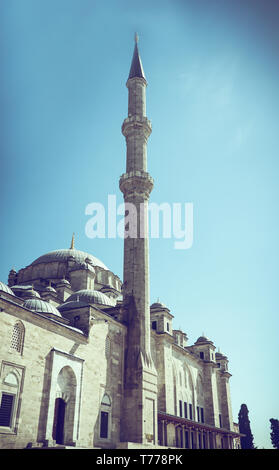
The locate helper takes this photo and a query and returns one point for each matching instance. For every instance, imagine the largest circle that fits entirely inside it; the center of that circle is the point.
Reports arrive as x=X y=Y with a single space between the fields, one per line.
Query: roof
x=136 y=69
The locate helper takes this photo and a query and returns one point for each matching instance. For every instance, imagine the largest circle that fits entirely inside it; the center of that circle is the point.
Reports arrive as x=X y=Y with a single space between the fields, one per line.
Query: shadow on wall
x=41 y=436
x=107 y=425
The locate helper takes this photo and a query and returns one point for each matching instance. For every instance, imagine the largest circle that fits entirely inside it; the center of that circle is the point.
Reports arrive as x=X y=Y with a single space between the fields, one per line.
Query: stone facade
x=86 y=362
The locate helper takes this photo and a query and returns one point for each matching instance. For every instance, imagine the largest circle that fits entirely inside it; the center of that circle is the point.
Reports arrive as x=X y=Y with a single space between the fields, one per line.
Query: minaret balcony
x=136 y=181
x=136 y=123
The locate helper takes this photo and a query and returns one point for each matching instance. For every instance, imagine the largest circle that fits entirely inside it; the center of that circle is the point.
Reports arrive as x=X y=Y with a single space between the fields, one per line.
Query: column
x=197 y=438
x=207 y=439
x=163 y=432
x=190 y=438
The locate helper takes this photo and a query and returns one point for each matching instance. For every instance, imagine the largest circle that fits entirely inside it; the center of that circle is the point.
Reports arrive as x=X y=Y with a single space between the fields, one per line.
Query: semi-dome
x=41 y=306
x=91 y=297
x=5 y=288
x=69 y=254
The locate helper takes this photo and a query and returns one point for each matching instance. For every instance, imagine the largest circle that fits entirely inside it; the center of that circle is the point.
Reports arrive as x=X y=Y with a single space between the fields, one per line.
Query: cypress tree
x=274 y=435
x=244 y=428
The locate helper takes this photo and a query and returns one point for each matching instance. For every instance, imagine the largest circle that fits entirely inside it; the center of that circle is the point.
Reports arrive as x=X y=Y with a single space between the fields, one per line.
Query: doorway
x=59 y=421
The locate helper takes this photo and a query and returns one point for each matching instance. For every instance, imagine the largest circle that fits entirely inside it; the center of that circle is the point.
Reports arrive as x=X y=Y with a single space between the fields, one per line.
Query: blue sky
x=212 y=71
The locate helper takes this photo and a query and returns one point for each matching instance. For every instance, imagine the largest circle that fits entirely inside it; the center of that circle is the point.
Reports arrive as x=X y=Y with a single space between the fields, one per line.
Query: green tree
x=274 y=435
x=244 y=428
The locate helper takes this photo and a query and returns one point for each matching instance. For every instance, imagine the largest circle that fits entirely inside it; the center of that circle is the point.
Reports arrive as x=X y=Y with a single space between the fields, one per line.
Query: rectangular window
x=220 y=420
x=104 y=425
x=154 y=325
x=198 y=413
x=168 y=326
x=202 y=416
x=201 y=355
x=185 y=410
x=6 y=409
x=190 y=411
x=180 y=408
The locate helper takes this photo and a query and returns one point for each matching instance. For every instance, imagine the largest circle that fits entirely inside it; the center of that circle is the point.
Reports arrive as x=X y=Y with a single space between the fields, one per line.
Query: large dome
x=80 y=257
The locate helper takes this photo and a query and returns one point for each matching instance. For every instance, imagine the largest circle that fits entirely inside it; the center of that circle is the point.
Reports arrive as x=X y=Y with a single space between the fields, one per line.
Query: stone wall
x=49 y=348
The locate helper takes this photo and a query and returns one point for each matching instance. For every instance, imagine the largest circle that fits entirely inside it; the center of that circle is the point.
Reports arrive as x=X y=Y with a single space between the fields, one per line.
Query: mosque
x=86 y=362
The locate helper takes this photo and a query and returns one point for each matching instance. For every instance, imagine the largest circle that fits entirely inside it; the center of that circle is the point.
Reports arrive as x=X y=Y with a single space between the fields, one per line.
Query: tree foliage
x=274 y=435
x=244 y=428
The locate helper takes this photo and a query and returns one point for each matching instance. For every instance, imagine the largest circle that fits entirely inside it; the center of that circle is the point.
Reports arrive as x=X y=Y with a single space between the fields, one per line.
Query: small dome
x=158 y=305
x=220 y=355
x=71 y=304
x=41 y=306
x=203 y=339
x=5 y=288
x=50 y=289
x=28 y=291
x=32 y=294
x=92 y=297
x=63 y=282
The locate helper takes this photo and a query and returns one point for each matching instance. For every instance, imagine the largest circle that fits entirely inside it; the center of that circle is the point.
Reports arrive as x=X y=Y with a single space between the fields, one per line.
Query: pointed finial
x=136 y=69
x=73 y=242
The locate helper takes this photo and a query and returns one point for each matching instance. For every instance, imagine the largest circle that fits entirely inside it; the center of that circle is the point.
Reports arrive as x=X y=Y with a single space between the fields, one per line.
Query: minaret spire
x=136 y=185
x=136 y=69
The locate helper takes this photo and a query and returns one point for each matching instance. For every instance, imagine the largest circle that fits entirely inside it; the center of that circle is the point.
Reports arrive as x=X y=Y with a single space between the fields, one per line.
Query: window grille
x=108 y=347
x=6 y=409
x=17 y=337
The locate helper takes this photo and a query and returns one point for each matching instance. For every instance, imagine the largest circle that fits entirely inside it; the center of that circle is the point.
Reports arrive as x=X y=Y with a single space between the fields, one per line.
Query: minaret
x=140 y=401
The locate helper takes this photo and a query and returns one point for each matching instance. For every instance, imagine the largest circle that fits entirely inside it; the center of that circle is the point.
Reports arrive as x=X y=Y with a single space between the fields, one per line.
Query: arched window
x=106 y=400
x=105 y=417
x=17 y=337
